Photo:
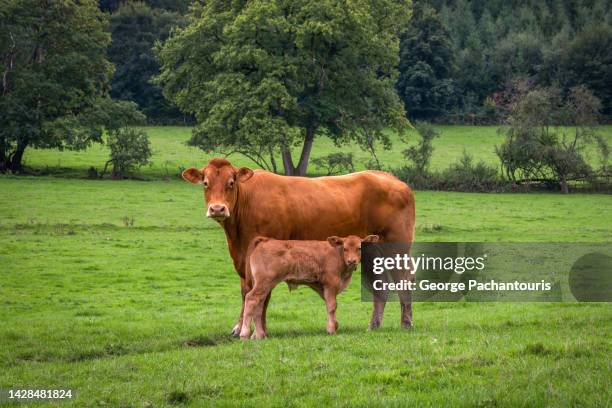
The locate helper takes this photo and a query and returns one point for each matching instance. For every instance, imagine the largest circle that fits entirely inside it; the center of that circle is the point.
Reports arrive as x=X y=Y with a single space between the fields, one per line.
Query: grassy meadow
x=124 y=292
x=171 y=154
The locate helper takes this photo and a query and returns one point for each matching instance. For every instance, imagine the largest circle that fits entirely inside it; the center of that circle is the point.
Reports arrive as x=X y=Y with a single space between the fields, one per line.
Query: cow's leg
x=243 y=290
x=330 y=302
x=401 y=233
x=405 y=298
x=378 y=311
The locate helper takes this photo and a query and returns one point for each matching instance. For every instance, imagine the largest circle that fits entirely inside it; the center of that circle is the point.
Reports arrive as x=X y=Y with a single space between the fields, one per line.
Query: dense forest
x=460 y=60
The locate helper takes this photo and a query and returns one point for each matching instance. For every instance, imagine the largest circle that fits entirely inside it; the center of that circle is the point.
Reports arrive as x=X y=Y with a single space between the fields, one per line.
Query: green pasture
x=124 y=292
x=171 y=153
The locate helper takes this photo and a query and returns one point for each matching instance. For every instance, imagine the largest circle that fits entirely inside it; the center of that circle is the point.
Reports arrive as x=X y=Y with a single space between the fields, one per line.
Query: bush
x=420 y=155
x=130 y=148
x=465 y=175
x=539 y=148
x=335 y=163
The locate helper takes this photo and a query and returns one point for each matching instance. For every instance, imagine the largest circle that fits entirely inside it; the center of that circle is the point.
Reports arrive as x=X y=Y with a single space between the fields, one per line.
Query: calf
x=325 y=266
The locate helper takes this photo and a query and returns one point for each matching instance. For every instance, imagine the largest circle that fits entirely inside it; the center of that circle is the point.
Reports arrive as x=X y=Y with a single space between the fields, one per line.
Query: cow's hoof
x=235 y=331
x=407 y=326
x=373 y=326
x=254 y=336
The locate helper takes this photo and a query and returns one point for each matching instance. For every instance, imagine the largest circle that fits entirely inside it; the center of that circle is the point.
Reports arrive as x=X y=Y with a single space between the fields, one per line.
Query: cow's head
x=351 y=248
x=221 y=182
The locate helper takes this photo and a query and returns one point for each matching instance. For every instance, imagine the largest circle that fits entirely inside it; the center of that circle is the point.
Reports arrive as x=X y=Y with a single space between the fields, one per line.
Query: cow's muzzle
x=218 y=212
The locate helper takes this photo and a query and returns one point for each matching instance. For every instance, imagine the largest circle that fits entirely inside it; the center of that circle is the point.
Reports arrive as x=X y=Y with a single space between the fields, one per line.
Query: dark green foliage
x=426 y=65
x=129 y=149
x=54 y=78
x=180 y=6
x=335 y=163
x=135 y=28
x=267 y=76
x=537 y=149
x=494 y=43
x=588 y=61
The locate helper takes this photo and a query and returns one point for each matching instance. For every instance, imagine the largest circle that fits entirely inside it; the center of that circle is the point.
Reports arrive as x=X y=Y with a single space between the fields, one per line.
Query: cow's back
x=362 y=203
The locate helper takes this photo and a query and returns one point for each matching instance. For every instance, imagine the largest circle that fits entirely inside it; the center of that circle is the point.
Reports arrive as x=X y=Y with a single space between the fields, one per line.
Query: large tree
x=135 y=28
x=55 y=78
x=588 y=61
x=426 y=65
x=266 y=75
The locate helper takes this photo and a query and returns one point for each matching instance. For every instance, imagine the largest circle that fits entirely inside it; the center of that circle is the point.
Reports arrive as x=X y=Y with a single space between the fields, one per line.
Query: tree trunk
x=564 y=187
x=306 y=149
x=287 y=161
x=302 y=167
x=16 y=157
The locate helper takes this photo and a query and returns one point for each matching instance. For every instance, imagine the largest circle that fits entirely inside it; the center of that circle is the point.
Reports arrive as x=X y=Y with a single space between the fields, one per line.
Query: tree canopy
x=262 y=76
x=135 y=27
x=55 y=78
x=426 y=65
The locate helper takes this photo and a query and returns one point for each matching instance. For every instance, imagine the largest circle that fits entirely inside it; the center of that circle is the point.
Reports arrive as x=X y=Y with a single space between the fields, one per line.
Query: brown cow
x=325 y=266
x=248 y=204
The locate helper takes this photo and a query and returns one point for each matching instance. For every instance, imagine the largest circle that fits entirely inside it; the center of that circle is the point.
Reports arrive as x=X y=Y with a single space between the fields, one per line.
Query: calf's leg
x=330 y=302
x=253 y=309
x=264 y=314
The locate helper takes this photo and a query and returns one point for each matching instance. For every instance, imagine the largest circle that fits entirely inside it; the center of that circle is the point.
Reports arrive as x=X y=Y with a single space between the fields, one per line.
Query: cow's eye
x=230 y=184
x=205 y=184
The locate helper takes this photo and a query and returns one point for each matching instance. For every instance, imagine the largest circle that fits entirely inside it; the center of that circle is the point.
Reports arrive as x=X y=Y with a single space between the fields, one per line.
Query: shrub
x=130 y=148
x=417 y=173
x=420 y=155
x=465 y=175
x=539 y=147
x=335 y=163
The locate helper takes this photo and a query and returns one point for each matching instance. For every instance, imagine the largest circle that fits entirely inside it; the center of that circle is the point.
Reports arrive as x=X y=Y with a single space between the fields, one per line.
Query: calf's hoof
x=256 y=336
x=407 y=325
x=235 y=331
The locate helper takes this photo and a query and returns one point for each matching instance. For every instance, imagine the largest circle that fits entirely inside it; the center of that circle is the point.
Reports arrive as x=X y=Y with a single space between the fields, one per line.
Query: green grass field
x=139 y=315
x=171 y=154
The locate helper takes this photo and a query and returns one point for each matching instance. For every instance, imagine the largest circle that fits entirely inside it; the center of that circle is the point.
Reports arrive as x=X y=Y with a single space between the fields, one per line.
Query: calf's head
x=221 y=183
x=350 y=248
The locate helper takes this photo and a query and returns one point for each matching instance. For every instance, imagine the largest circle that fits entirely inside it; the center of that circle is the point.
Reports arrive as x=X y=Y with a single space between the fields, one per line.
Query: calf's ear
x=192 y=175
x=335 y=241
x=243 y=174
x=371 y=238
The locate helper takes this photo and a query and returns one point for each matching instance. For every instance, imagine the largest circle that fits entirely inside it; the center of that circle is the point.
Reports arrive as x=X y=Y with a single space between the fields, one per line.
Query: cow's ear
x=194 y=176
x=243 y=174
x=335 y=241
x=371 y=238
